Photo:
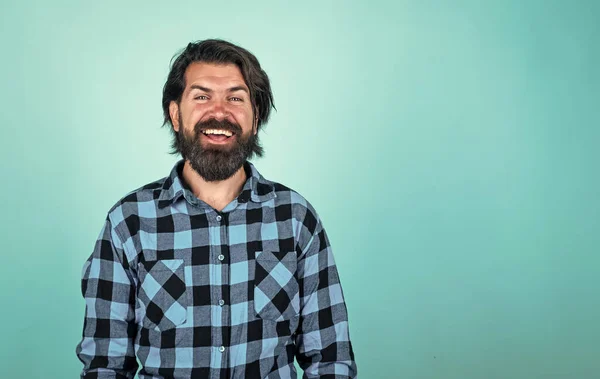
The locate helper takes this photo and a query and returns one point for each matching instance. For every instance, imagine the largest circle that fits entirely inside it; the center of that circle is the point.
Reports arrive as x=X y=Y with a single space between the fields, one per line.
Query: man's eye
x=236 y=99
x=200 y=97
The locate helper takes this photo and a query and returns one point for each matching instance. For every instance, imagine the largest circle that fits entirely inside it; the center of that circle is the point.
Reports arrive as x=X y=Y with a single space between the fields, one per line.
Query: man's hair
x=218 y=51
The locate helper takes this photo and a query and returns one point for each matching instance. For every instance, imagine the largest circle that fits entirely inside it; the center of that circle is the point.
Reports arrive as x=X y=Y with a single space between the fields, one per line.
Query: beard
x=216 y=162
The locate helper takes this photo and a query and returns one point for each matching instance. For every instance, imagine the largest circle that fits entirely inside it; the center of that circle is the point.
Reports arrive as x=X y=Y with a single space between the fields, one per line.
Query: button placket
x=220 y=257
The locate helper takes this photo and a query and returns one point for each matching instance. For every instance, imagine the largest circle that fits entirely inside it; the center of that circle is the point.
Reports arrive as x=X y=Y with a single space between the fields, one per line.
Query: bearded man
x=214 y=271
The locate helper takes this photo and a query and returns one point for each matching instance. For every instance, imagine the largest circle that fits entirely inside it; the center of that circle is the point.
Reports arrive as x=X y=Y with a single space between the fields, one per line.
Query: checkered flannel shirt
x=197 y=293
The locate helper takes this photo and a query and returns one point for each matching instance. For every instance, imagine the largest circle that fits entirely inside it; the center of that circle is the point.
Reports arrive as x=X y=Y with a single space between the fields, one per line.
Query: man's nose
x=219 y=110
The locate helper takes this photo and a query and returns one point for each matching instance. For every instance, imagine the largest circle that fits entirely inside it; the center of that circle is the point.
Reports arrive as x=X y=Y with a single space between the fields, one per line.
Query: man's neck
x=216 y=194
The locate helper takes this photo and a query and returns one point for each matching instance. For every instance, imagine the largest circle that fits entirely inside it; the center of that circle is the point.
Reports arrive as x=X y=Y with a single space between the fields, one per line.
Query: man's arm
x=323 y=347
x=108 y=287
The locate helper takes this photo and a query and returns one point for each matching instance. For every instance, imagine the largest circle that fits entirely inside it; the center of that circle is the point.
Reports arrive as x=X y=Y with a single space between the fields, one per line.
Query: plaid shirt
x=199 y=293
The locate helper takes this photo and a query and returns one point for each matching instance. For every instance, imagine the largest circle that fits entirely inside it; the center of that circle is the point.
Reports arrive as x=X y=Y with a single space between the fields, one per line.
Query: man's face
x=215 y=98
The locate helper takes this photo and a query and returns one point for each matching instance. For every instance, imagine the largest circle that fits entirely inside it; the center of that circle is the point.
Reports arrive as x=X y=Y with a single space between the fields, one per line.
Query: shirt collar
x=256 y=188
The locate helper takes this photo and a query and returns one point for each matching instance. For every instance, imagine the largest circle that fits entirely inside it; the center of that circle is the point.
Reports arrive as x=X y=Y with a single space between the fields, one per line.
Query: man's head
x=216 y=87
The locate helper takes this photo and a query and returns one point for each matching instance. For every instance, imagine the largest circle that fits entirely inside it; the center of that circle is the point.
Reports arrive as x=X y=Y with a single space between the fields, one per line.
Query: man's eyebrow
x=196 y=86
x=208 y=90
x=238 y=88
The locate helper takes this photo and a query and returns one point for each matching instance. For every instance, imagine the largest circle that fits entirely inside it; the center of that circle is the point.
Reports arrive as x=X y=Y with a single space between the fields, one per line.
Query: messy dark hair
x=219 y=52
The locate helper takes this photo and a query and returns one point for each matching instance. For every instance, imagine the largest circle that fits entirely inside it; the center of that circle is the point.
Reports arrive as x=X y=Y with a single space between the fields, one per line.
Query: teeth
x=218 y=131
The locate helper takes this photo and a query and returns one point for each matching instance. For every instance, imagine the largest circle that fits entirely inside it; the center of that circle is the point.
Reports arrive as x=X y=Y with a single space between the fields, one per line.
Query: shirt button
x=219 y=218
x=221 y=257
x=221 y=302
x=222 y=349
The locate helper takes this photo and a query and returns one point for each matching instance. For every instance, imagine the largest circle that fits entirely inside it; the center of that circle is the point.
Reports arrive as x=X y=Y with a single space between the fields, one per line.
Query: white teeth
x=218 y=131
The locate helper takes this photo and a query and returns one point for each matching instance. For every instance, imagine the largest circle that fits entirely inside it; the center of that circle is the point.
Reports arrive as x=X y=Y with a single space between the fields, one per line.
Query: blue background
x=450 y=148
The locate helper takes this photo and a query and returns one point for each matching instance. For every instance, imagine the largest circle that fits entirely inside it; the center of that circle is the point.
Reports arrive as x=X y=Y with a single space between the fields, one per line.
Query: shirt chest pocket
x=162 y=291
x=276 y=290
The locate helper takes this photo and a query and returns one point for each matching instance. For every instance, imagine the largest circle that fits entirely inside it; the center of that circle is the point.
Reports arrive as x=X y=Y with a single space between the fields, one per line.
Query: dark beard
x=219 y=162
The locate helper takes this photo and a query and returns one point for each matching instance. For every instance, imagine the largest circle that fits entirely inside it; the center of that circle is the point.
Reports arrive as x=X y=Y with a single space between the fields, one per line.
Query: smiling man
x=214 y=271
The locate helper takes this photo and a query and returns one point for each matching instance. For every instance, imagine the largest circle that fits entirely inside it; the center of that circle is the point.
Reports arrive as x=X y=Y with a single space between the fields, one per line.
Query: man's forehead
x=227 y=74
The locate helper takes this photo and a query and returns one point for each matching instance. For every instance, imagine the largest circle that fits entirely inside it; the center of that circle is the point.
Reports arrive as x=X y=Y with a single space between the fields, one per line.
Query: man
x=214 y=271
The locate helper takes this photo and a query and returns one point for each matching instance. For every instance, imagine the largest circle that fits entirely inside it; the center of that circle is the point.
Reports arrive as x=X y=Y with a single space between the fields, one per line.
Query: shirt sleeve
x=108 y=287
x=323 y=347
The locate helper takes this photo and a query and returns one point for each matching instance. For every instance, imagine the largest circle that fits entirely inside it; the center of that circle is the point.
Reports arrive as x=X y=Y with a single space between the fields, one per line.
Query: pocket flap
x=163 y=264
x=275 y=256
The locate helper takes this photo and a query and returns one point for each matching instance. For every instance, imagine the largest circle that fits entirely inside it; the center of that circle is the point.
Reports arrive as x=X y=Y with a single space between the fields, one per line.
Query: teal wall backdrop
x=450 y=147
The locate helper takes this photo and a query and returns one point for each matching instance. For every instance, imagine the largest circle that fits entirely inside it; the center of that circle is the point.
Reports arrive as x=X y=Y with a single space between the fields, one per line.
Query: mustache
x=216 y=124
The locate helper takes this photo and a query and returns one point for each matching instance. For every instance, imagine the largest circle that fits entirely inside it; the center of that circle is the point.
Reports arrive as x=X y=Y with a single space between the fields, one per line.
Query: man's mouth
x=218 y=135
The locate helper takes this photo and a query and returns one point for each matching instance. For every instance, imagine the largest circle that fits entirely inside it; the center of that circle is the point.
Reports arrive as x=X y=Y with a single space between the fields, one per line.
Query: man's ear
x=174 y=113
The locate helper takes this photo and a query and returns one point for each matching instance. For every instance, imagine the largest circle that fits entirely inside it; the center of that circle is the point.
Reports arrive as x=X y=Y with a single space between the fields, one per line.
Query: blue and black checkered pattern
x=192 y=292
